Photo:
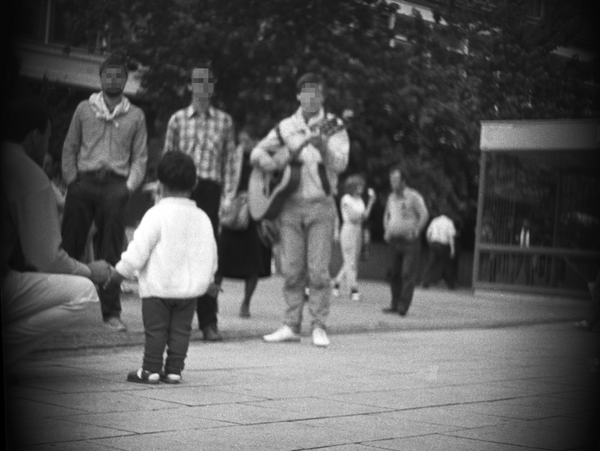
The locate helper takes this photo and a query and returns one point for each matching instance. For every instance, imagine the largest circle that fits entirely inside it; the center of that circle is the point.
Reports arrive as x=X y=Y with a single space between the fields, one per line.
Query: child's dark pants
x=167 y=323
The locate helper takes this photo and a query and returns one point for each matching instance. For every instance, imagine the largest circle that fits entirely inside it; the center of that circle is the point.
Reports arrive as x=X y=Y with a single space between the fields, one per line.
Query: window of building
x=58 y=22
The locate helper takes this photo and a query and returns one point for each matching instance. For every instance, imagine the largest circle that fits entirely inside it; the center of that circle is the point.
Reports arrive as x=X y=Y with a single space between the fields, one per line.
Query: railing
x=534 y=269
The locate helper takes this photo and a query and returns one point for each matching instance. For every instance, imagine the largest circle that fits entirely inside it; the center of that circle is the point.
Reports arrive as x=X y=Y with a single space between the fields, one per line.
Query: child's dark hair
x=177 y=171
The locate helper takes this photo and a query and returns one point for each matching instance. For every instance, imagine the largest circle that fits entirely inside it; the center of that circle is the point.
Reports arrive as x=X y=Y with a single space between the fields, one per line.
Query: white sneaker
x=319 y=337
x=284 y=333
x=336 y=290
x=355 y=296
x=170 y=378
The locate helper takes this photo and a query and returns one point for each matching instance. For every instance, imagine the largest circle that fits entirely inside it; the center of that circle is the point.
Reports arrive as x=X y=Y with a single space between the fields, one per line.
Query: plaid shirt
x=209 y=140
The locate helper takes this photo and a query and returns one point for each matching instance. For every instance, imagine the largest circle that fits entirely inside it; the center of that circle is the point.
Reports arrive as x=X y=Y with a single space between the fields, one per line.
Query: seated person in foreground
x=43 y=289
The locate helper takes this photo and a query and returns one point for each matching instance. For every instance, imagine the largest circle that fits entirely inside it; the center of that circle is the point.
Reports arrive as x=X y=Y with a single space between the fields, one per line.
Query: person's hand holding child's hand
x=100 y=270
x=114 y=280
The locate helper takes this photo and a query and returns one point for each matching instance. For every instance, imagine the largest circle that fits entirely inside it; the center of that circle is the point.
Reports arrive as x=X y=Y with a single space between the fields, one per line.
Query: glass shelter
x=538 y=217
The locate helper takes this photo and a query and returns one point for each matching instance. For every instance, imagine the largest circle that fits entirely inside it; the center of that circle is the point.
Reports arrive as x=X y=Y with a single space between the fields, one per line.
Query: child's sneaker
x=142 y=376
x=170 y=378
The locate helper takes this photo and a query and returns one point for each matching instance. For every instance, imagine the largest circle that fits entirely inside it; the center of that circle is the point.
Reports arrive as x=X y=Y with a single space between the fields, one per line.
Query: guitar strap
x=323 y=172
x=324 y=179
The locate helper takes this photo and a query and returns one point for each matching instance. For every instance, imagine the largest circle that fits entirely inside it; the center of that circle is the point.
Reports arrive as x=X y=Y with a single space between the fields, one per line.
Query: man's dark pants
x=404 y=272
x=100 y=198
x=440 y=265
x=207 y=196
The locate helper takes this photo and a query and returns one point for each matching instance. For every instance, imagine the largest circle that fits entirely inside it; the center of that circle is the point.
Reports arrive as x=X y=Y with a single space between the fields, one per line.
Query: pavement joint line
x=556 y=345
x=242 y=337
x=529 y=447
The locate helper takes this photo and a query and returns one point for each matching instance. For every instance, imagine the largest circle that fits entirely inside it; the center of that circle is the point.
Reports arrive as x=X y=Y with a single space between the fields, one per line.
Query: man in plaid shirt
x=207 y=135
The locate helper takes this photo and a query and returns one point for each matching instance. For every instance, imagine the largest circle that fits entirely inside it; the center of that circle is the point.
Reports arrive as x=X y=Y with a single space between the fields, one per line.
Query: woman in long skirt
x=242 y=253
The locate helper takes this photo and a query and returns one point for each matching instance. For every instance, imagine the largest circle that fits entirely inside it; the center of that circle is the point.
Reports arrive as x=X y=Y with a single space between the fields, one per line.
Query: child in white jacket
x=174 y=255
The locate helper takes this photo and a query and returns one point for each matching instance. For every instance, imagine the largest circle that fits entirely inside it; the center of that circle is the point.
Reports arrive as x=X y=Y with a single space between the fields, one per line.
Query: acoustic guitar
x=268 y=191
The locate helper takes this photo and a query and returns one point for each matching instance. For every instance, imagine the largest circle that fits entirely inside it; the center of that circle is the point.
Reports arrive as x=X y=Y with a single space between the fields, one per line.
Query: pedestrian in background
x=103 y=163
x=441 y=236
x=404 y=219
x=175 y=254
x=206 y=134
x=524 y=262
x=354 y=213
x=242 y=253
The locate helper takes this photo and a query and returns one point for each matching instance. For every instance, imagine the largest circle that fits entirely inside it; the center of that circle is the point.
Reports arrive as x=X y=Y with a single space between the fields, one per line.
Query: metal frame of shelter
x=538 y=216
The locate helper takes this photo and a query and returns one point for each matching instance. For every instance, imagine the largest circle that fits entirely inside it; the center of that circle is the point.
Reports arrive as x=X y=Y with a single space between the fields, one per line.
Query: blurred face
x=113 y=80
x=396 y=180
x=202 y=83
x=311 y=98
x=359 y=189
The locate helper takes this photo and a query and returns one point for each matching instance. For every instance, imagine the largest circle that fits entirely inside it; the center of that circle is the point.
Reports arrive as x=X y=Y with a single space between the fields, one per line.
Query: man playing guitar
x=307 y=217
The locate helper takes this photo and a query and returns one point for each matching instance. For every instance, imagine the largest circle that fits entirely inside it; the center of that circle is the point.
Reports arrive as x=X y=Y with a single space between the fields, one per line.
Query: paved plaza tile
x=439 y=443
x=501 y=389
x=563 y=438
x=54 y=430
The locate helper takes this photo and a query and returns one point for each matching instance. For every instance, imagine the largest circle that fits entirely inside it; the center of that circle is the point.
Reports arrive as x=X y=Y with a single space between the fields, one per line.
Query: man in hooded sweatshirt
x=103 y=163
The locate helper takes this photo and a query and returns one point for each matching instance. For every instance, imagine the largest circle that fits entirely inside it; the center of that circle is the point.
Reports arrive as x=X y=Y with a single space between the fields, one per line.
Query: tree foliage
x=418 y=102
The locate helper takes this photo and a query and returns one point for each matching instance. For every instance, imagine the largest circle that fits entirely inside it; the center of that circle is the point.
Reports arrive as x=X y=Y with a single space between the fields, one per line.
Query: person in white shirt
x=403 y=221
x=354 y=213
x=524 y=262
x=441 y=235
x=524 y=234
x=174 y=255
